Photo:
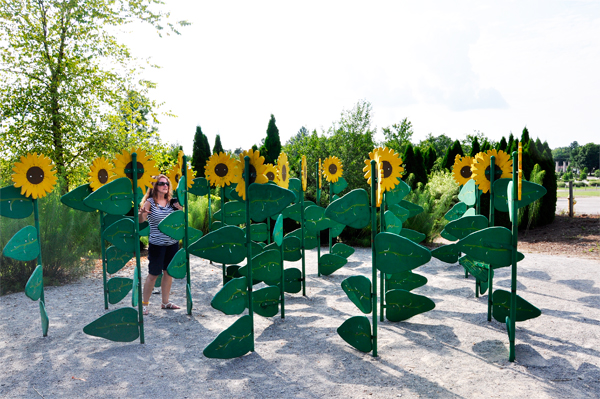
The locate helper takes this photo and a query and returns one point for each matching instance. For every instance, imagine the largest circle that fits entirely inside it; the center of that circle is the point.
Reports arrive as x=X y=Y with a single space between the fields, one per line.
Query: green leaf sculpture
x=231 y=193
x=397 y=194
x=501 y=307
x=278 y=231
x=292 y=278
x=358 y=289
x=295 y=186
x=412 y=235
x=23 y=245
x=14 y=205
x=232 y=272
x=492 y=245
x=121 y=235
x=293 y=211
x=310 y=240
x=336 y=228
x=402 y=305
x=216 y=225
x=134 y=288
x=236 y=341
x=467 y=193
x=530 y=192
x=446 y=253
x=351 y=210
x=259 y=231
x=401 y=213
x=392 y=223
x=339 y=185
x=291 y=249
x=265 y=266
x=116 y=259
x=173 y=225
x=232 y=298
x=266 y=301
x=316 y=220
x=329 y=263
x=115 y=197
x=477 y=269
x=395 y=254
x=470 y=212
x=178 y=266
x=413 y=209
x=120 y=325
x=448 y=236
x=44 y=317
x=267 y=200
x=194 y=234
x=34 y=286
x=356 y=331
x=460 y=228
x=200 y=187
x=181 y=185
x=407 y=281
x=235 y=213
x=74 y=198
x=118 y=288
x=456 y=211
x=226 y=245
x=342 y=250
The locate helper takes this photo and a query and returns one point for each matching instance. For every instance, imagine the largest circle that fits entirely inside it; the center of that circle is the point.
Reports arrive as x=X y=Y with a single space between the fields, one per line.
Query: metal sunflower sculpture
x=391 y=169
x=35 y=175
x=332 y=169
x=367 y=168
x=220 y=169
x=175 y=173
x=257 y=171
x=481 y=168
x=100 y=173
x=304 y=173
x=271 y=172
x=283 y=170
x=145 y=166
x=320 y=173
x=461 y=170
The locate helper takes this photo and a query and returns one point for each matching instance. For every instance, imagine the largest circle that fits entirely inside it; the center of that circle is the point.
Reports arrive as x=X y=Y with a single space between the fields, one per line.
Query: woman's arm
x=143 y=212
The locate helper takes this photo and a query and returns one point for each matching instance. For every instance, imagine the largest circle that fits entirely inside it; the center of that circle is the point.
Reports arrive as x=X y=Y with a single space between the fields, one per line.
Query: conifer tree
x=218 y=147
x=200 y=152
x=453 y=150
x=429 y=158
x=272 y=145
x=475 y=149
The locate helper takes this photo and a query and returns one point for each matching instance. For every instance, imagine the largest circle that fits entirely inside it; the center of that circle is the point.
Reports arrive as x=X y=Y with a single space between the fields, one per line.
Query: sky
x=449 y=67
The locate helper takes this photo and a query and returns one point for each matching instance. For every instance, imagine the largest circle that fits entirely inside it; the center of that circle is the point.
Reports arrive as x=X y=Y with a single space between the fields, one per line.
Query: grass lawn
x=579 y=192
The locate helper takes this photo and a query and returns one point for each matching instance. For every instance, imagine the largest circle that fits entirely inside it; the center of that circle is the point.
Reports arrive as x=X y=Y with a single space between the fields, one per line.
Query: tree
x=474 y=147
x=502 y=146
x=398 y=136
x=429 y=158
x=440 y=143
x=586 y=156
x=525 y=135
x=272 y=145
x=218 y=148
x=486 y=146
x=64 y=78
x=200 y=152
x=455 y=149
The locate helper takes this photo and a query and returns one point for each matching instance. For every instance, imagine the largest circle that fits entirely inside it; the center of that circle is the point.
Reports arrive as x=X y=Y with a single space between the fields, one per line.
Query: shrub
x=198 y=211
x=561 y=184
x=597 y=173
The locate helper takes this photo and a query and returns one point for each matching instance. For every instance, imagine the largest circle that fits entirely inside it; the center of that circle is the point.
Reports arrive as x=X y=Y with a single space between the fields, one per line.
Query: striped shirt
x=156 y=215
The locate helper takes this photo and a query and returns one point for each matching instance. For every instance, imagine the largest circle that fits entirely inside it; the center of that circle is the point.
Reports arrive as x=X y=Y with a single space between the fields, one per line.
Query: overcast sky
x=450 y=67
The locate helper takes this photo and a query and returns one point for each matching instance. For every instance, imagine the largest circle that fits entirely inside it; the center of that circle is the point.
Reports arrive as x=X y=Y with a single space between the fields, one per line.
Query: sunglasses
x=162 y=183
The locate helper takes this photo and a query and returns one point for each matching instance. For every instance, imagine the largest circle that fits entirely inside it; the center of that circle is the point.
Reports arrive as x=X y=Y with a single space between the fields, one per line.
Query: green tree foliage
x=271 y=147
x=451 y=153
x=218 y=147
x=502 y=145
x=398 y=136
x=587 y=156
x=200 y=152
x=67 y=84
x=440 y=144
x=486 y=146
x=414 y=169
x=561 y=154
x=475 y=149
x=429 y=158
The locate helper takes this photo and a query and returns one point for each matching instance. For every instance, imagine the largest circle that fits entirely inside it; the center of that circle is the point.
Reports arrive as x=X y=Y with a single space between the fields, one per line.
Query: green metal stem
x=381 y=276
x=269 y=230
x=136 y=236
x=373 y=255
x=318 y=231
x=282 y=290
x=210 y=207
x=478 y=201
x=36 y=218
x=224 y=267
x=103 y=248
x=186 y=236
x=330 y=229
x=249 y=245
x=302 y=236
x=513 y=275
x=492 y=201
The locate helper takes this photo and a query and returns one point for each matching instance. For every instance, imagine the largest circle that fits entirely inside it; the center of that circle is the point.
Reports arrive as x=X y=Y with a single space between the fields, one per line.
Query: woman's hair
x=153 y=192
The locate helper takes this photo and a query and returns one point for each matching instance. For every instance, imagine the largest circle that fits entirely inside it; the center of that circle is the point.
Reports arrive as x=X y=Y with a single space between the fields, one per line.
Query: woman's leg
x=165 y=287
x=148 y=286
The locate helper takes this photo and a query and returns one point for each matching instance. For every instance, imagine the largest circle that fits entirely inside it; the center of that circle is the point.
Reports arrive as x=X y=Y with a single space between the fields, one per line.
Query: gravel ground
x=451 y=351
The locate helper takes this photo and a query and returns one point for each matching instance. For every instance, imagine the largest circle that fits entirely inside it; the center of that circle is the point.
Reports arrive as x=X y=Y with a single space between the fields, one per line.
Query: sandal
x=169 y=305
x=145 y=310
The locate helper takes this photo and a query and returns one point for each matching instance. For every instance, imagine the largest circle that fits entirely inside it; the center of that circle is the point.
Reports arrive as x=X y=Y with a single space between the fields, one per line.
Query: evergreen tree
x=200 y=152
x=511 y=139
x=453 y=150
x=486 y=146
x=503 y=145
x=420 y=170
x=272 y=145
x=429 y=158
x=475 y=149
x=218 y=147
x=525 y=136
x=413 y=166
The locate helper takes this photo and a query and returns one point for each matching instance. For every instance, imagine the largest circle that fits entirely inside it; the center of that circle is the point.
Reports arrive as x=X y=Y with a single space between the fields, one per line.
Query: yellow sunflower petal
x=35 y=176
x=220 y=169
x=257 y=171
x=332 y=169
x=101 y=173
x=304 y=173
x=271 y=173
x=391 y=169
x=283 y=168
x=461 y=170
x=123 y=162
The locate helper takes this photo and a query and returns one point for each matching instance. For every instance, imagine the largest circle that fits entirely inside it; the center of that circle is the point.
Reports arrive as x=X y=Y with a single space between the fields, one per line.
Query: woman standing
x=157 y=204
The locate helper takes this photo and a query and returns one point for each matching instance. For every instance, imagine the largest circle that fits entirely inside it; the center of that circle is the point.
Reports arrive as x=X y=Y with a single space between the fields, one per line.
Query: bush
x=597 y=173
x=583 y=175
x=198 y=211
x=561 y=184
x=70 y=243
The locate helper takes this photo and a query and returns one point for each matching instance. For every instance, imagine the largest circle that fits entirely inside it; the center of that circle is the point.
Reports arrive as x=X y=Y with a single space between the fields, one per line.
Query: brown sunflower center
x=465 y=172
x=102 y=176
x=221 y=170
x=177 y=177
x=332 y=169
x=270 y=176
x=497 y=173
x=129 y=170
x=284 y=173
x=387 y=169
x=252 y=174
x=35 y=175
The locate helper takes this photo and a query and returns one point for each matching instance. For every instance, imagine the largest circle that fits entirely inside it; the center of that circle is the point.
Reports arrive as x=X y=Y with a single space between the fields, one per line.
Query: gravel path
x=451 y=351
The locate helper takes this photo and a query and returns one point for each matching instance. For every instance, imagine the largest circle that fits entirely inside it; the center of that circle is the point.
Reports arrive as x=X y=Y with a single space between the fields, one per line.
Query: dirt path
x=451 y=351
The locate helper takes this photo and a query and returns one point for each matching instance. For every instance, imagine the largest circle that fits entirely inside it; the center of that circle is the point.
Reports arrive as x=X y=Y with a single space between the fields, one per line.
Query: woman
x=157 y=204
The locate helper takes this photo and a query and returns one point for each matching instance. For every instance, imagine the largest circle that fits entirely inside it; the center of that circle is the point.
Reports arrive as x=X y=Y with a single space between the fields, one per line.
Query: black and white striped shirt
x=156 y=215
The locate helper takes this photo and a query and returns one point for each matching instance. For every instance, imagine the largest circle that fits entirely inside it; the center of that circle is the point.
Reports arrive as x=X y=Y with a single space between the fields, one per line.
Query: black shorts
x=159 y=257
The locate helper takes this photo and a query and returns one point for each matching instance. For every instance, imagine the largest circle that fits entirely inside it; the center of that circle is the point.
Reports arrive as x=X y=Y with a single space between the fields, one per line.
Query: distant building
x=562 y=168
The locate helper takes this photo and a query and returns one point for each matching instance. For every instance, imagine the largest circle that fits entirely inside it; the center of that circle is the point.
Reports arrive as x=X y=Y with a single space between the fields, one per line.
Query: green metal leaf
x=329 y=263
x=483 y=286
x=226 y=245
x=295 y=186
x=470 y=212
x=23 y=245
x=266 y=301
x=115 y=197
x=231 y=272
x=401 y=213
x=158 y=281
x=477 y=269
x=456 y=211
x=501 y=307
x=351 y=210
x=144 y=229
x=291 y=249
x=412 y=235
x=257 y=248
x=339 y=185
x=446 y=253
x=110 y=219
x=402 y=305
x=232 y=298
x=44 y=318
x=14 y=205
x=235 y=212
x=392 y=223
x=413 y=209
x=259 y=232
x=466 y=225
x=293 y=211
x=236 y=341
x=216 y=225
x=407 y=281
x=395 y=254
x=116 y=259
x=448 y=236
x=336 y=228
x=292 y=278
x=200 y=187
x=121 y=235
x=278 y=231
x=468 y=194
x=357 y=332
x=265 y=266
x=194 y=234
x=397 y=194
x=267 y=200
x=120 y=325
x=316 y=220
x=188 y=299
x=342 y=250
x=492 y=245
x=35 y=286
x=178 y=266
x=181 y=186
x=530 y=192
x=231 y=193
x=74 y=198
x=310 y=240
x=174 y=225
x=118 y=288
x=358 y=289
x=134 y=289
